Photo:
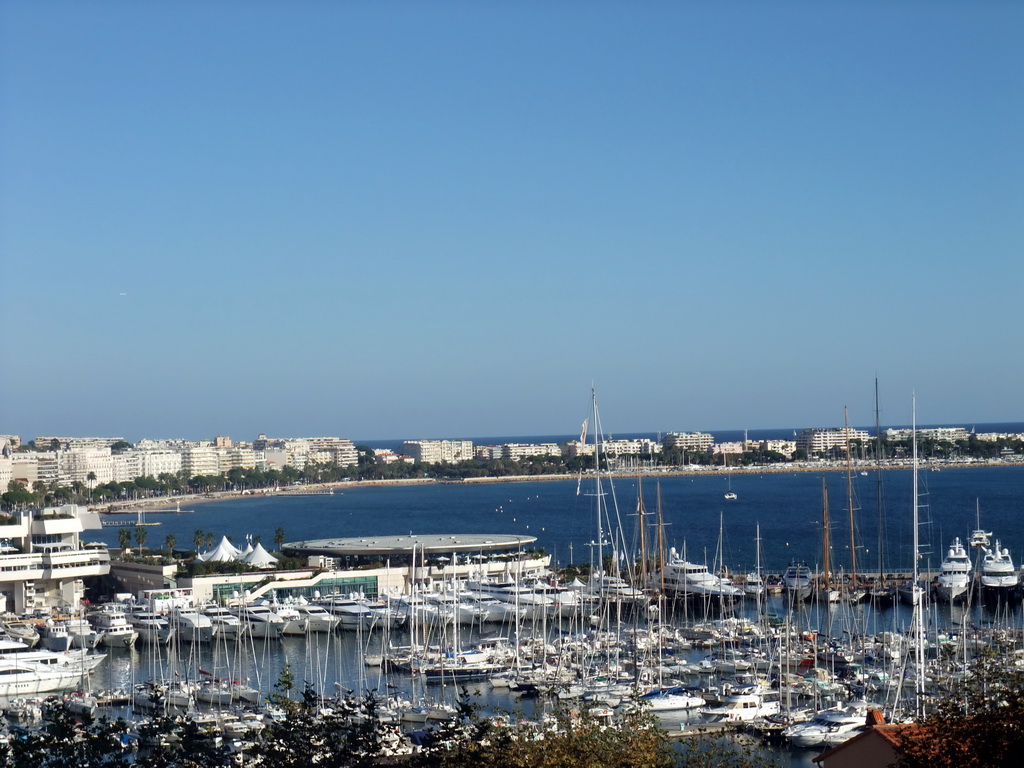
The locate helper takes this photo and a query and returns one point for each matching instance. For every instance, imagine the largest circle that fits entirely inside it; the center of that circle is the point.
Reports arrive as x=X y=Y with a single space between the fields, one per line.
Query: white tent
x=224 y=552
x=260 y=558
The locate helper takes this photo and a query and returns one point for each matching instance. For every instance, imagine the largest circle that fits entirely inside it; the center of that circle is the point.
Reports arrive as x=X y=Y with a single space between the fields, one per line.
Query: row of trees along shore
x=18 y=496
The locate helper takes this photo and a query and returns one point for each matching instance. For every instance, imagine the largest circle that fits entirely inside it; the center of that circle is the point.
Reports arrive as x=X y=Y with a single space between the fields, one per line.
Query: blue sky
x=388 y=220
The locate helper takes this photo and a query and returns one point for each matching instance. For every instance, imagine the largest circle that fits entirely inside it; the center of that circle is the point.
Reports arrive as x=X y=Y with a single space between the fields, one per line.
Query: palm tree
x=279 y=538
x=124 y=538
x=198 y=538
x=140 y=536
x=169 y=542
x=91 y=477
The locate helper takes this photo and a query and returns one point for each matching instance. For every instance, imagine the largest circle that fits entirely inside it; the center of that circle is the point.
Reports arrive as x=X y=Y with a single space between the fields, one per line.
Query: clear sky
x=444 y=219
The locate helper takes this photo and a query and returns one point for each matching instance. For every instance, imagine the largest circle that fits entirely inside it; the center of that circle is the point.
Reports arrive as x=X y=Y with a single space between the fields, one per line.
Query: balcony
x=50 y=526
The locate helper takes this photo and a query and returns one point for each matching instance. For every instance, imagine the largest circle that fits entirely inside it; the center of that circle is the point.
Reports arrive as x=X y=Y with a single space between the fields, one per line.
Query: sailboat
x=729 y=493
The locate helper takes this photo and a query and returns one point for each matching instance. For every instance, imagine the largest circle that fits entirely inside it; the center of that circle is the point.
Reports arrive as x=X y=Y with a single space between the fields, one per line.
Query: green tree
x=279 y=538
x=980 y=724
x=198 y=538
x=124 y=538
x=140 y=536
x=169 y=541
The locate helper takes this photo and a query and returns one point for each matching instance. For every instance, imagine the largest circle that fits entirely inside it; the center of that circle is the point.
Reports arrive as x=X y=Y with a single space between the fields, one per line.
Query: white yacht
x=999 y=579
x=111 y=622
x=744 y=705
x=18 y=678
x=192 y=626
x=955 y=576
x=828 y=728
x=682 y=578
x=316 y=618
x=260 y=621
x=797 y=582
x=151 y=626
x=226 y=625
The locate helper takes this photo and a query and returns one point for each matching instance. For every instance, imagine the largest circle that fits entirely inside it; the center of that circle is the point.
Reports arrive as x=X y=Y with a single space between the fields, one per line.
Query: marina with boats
x=801 y=652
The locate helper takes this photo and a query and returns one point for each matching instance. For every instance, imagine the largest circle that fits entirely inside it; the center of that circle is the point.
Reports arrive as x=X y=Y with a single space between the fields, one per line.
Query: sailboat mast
x=918 y=590
x=878 y=489
x=827 y=544
x=849 y=494
x=597 y=484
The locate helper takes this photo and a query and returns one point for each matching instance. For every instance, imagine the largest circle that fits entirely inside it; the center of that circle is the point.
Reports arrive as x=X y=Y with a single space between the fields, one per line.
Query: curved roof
x=429 y=543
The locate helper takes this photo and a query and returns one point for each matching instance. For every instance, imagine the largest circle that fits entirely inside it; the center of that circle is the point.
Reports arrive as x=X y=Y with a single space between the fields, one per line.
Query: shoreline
x=161 y=504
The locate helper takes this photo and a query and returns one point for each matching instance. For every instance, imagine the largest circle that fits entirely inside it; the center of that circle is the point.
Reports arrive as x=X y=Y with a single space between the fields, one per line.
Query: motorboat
x=22 y=677
x=797 y=582
x=260 y=621
x=828 y=728
x=745 y=704
x=999 y=579
x=152 y=627
x=670 y=699
x=226 y=625
x=682 y=578
x=954 y=580
x=111 y=622
x=193 y=626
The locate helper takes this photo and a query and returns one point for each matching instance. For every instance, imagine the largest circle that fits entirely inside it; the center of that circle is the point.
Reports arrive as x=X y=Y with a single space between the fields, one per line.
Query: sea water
x=696 y=518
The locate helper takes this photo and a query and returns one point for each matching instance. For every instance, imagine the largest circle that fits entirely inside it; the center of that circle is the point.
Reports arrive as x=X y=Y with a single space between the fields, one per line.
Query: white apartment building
x=950 y=434
x=43 y=560
x=817 y=440
x=237 y=457
x=635 y=447
x=333 y=450
x=688 y=441
x=43 y=466
x=80 y=463
x=200 y=460
x=517 y=451
x=387 y=456
x=44 y=442
x=786 y=447
x=159 y=461
x=438 y=451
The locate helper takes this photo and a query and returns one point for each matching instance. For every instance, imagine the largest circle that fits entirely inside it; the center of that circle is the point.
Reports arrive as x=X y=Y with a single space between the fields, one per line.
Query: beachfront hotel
x=44 y=560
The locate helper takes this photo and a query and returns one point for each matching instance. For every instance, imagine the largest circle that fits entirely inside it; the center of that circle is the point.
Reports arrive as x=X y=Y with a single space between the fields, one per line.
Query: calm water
x=561 y=515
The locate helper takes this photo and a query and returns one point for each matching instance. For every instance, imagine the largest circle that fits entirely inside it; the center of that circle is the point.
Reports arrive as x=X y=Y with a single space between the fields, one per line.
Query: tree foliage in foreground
x=350 y=733
x=979 y=725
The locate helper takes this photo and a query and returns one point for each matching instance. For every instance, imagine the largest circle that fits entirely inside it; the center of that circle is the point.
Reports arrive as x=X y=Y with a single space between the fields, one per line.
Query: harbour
x=704 y=645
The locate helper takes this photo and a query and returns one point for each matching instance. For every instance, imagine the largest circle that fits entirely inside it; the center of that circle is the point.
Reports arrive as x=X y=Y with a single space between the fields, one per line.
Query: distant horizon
x=455 y=218
x=763 y=433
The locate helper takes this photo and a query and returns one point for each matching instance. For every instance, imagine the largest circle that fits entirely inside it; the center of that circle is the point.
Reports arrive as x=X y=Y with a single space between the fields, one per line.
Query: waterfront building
x=200 y=460
x=735 y=448
x=237 y=457
x=75 y=443
x=374 y=566
x=817 y=440
x=158 y=461
x=786 y=447
x=688 y=441
x=27 y=468
x=43 y=560
x=387 y=456
x=78 y=464
x=943 y=434
x=517 y=451
x=438 y=451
